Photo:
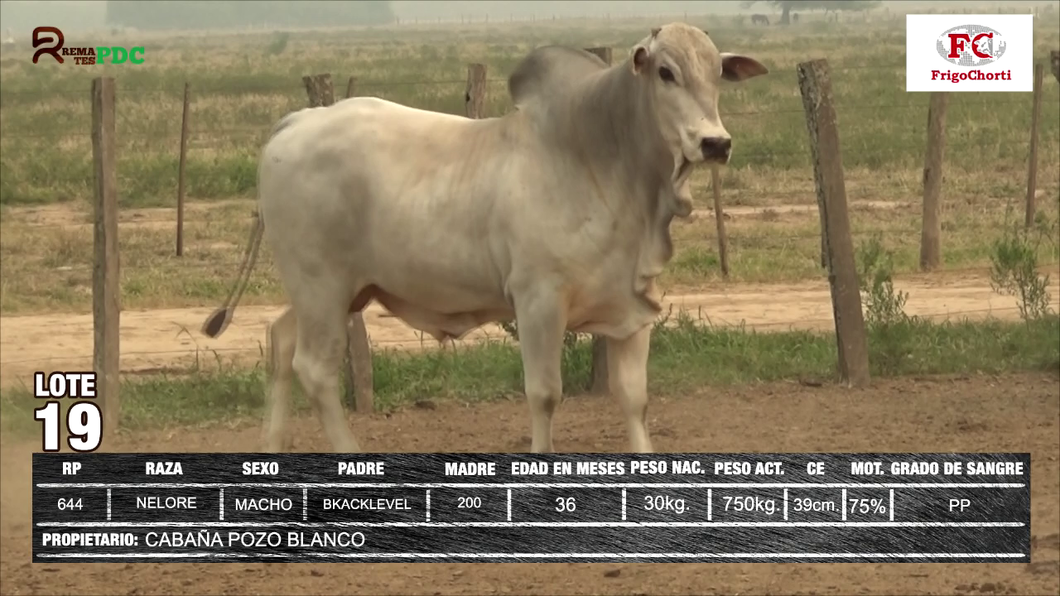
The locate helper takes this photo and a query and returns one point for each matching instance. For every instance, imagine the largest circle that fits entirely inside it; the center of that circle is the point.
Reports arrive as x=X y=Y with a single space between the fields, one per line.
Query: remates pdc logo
x=971 y=45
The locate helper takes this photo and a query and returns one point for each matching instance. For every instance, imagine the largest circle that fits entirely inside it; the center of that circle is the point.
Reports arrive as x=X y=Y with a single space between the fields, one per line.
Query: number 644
x=83 y=420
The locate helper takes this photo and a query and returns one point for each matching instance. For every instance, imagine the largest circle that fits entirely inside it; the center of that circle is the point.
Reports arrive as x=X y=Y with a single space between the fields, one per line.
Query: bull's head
x=683 y=70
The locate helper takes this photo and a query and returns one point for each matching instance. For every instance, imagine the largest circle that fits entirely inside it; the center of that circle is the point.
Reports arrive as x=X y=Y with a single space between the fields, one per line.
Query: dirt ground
x=169 y=339
x=1019 y=413
x=74 y=215
x=153 y=340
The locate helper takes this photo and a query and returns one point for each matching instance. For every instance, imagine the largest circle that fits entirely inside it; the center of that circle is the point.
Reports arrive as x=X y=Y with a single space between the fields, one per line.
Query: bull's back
x=393 y=140
x=356 y=117
x=402 y=193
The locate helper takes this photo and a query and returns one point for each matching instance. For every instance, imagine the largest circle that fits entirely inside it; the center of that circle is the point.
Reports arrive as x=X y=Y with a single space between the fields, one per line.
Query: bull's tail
x=217 y=322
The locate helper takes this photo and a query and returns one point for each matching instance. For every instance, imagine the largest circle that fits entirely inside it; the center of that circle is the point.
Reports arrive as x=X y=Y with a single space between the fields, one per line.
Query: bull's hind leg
x=282 y=338
x=541 y=325
x=627 y=368
x=317 y=358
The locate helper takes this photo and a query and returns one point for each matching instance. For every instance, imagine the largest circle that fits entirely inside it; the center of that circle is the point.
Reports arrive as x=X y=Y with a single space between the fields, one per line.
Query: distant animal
x=794 y=17
x=557 y=215
x=759 y=19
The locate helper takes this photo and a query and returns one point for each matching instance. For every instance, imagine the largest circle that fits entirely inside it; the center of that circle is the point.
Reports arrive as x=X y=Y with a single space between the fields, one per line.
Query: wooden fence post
x=358 y=368
x=180 y=172
x=815 y=86
x=359 y=372
x=599 y=372
x=823 y=258
x=360 y=349
x=719 y=217
x=931 y=226
x=320 y=90
x=604 y=53
x=475 y=94
x=106 y=278
x=1032 y=158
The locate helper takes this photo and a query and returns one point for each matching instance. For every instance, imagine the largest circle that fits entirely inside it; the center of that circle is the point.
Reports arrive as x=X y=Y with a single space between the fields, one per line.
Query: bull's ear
x=640 y=59
x=740 y=68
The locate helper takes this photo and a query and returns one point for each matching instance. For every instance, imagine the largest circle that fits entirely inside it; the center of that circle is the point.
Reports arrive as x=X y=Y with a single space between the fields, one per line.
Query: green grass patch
x=684 y=357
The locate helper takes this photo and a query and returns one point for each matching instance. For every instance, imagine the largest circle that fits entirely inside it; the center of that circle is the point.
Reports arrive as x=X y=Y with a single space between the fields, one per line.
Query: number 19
x=83 y=421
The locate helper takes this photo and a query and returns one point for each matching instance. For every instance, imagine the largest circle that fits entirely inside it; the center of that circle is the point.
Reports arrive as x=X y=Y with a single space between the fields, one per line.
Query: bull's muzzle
x=716 y=149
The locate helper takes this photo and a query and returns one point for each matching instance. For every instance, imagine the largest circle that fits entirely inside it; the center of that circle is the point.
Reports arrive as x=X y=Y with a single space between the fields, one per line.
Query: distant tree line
x=787 y=6
x=218 y=14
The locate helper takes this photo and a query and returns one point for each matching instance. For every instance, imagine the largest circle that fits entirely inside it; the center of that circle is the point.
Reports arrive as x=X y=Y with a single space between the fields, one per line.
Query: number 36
x=565 y=504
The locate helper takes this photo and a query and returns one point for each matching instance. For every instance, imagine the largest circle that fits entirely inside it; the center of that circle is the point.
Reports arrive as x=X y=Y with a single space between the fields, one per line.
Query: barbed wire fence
x=199 y=352
x=481 y=97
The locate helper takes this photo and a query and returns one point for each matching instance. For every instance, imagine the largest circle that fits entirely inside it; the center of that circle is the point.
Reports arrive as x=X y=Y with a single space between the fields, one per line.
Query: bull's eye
x=666 y=74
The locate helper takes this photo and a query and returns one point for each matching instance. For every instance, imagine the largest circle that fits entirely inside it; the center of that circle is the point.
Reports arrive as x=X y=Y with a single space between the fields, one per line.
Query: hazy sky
x=20 y=16
x=82 y=14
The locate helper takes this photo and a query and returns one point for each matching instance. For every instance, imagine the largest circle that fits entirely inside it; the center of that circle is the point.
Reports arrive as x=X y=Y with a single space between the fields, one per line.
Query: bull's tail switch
x=216 y=323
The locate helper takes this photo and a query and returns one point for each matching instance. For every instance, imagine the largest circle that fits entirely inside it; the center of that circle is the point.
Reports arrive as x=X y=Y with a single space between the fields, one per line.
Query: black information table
x=795 y=507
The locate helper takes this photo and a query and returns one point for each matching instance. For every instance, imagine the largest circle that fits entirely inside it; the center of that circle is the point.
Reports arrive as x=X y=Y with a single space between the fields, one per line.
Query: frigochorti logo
x=84 y=55
x=971 y=46
x=969 y=53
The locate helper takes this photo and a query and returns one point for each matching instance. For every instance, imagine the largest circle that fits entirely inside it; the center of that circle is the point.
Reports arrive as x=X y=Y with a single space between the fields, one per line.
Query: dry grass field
x=735 y=356
x=242 y=84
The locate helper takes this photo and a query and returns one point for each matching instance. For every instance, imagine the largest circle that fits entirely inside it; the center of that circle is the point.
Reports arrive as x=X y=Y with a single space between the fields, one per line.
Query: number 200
x=468 y=502
x=83 y=420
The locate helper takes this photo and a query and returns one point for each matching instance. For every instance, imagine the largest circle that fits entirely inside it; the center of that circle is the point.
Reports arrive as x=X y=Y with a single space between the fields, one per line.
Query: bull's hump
x=350 y=120
x=551 y=70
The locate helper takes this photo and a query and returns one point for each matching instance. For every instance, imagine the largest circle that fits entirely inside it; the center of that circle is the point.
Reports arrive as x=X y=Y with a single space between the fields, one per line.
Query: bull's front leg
x=541 y=325
x=627 y=368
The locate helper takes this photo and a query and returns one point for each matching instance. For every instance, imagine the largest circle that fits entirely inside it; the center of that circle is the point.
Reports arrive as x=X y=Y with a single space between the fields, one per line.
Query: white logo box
x=969 y=52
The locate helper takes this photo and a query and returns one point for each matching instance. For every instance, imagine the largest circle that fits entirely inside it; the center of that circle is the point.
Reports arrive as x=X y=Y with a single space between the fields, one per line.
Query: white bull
x=557 y=214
